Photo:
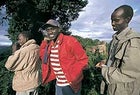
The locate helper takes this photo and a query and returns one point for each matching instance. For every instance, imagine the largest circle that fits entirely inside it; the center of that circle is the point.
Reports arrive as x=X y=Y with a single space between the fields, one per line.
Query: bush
x=90 y=83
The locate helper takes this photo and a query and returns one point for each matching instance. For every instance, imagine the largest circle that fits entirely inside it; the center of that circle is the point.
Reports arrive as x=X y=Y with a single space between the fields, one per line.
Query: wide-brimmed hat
x=51 y=23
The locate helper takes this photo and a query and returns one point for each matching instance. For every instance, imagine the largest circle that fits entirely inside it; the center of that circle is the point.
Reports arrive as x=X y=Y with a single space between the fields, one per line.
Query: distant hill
x=5 y=51
x=3 y=48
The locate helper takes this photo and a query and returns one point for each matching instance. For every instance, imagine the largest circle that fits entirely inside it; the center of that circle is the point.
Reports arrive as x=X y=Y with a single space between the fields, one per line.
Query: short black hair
x=27 y=34
x=128 y=11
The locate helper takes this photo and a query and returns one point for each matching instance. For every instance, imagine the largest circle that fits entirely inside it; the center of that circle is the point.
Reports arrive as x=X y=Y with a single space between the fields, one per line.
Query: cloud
x=4 y=40
x=94 y=21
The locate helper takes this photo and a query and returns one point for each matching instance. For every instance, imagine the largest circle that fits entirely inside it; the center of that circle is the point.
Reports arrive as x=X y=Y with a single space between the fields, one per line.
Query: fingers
x=15 y=47
x=98 y=65
x=46 y=39
x=101 y=64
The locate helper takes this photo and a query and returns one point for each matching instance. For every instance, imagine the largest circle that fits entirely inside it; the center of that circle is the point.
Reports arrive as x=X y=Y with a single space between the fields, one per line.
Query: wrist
x=103 y=65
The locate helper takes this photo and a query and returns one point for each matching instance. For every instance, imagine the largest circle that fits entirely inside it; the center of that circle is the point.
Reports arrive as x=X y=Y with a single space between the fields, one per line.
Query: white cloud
x=5 y=43
x=4 y=40
x=3 y=37
x=94 y=21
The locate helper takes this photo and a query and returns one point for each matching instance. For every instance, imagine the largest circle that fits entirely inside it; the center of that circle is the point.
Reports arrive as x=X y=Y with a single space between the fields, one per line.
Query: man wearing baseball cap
x=63 y=59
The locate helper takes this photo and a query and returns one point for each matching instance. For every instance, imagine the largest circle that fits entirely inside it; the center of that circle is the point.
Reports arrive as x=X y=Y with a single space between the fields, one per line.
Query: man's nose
x=113 y=23
x=49 y=31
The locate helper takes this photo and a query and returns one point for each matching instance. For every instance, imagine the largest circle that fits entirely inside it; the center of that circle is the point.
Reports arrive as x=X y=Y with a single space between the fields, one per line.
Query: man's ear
x=27 y=39
x=59 y=30
x=128 y=19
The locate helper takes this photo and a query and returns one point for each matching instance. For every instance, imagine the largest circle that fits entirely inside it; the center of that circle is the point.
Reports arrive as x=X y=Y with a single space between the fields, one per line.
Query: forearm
x=126 y=73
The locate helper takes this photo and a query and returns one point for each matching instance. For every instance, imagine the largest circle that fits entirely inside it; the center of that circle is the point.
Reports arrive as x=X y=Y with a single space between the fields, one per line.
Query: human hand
x=101 y=64
x=15 y=47
x=46 y=38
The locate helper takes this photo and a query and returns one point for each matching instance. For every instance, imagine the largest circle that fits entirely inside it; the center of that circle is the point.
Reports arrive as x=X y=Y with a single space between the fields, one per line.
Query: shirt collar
x=122 y=34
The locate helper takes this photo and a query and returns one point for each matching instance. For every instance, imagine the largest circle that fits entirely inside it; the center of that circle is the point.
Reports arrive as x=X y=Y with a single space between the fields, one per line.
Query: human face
x=118 y=22
x=22 y=39
x=53 y=32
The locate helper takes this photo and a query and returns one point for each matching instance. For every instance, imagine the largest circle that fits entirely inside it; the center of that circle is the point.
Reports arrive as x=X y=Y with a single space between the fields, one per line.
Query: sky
x=94 y=21
x=4 y=40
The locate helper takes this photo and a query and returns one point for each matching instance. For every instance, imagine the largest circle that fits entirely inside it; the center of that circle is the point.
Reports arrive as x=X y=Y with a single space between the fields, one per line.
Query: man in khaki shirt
x=26 y=65
x=122 y=69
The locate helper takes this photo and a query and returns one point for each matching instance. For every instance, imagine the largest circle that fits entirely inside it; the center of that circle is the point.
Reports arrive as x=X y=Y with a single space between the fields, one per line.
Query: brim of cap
x=47 y=25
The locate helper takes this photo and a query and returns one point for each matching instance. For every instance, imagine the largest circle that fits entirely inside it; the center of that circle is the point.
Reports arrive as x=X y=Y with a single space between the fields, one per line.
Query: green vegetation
x=92 y=75
x=30 y=15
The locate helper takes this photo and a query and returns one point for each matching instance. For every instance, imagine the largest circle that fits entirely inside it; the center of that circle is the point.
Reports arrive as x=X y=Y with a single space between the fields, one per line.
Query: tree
x=31 y=14
x=90 y=83
x=2 y=2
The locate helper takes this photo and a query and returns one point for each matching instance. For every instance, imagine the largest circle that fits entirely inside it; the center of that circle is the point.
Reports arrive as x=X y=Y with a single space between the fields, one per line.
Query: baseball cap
x=51 y=23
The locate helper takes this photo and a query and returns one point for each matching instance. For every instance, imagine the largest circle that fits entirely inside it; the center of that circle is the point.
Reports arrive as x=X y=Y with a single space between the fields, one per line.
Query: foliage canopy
x=31 y=14
x=92 y=75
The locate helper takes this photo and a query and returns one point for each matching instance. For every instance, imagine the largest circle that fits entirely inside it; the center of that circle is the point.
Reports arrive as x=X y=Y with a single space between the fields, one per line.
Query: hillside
x=3 y=48
x=4 y=52
x=92 y=75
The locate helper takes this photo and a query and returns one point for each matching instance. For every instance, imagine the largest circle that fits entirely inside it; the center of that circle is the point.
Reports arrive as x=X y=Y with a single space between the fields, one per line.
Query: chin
x=114 y=29
x=51 y=38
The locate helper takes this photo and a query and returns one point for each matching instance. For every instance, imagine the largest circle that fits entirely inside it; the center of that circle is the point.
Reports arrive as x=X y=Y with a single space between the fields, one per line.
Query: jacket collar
x=32 y=41
x=126 y=34
x=61 y=36
x=123 y=33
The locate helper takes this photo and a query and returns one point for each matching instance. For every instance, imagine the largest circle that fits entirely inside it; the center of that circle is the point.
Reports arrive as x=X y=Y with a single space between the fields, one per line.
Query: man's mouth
x=51 y=35
x=113 y=27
